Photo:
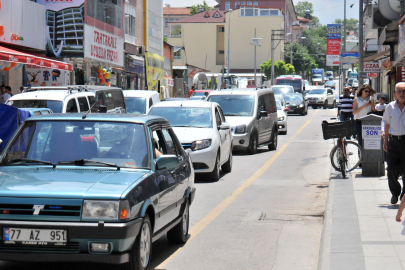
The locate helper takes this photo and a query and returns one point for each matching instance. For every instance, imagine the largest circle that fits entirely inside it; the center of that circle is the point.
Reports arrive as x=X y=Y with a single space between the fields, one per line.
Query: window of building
x=227 y=6
x=249 y=12
x=177 y=55
x=108 y=12
x=221 y=52
x=255 y=12
x=237 y=4
x=273 y=12
x=130 y=25
x=217 y=15
x=249 y=3
x=255 y=3
x=243 y=3
x=221 y=29
x=166 y=22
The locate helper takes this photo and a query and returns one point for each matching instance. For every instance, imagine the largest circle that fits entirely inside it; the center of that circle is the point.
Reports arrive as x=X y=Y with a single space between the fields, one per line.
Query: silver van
x=252 y=114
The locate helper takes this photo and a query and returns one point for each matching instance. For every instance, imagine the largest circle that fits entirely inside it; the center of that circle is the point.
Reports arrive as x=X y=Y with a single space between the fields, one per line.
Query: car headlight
x=281 y=118
x=240 y=129
x=322 y=98
x=105 y=210
x=201 y=144
x=301 y=106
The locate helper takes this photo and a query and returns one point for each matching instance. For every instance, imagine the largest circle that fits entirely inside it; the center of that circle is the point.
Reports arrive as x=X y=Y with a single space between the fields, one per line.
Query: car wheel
x=227 y=167
x=216 y=173
x=141 y=252
x=306 y=111
x=253 y=145
x=179 y=233
x=273 y=145
x=314 y=107
x=325 y=106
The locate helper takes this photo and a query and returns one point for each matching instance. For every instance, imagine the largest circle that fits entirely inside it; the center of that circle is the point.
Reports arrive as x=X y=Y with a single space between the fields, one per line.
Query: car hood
x=235 y=121
x=67 y=182
x=294 y=103
x=315 y=96
x=188 y=135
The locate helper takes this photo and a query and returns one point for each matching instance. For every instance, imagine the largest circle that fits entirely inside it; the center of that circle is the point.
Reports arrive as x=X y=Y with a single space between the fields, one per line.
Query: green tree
x=194 y=9
x=350 y=23
x=303 y=6
x=280 y=68
x=302 y=60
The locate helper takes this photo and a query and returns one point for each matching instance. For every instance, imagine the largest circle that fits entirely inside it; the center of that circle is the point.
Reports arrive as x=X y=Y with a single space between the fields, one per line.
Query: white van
x=140 y=101
x=71 y=99
x=252 y=114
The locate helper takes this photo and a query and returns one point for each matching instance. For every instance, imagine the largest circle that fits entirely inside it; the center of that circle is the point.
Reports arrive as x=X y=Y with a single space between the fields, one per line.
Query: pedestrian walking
x=345 y=106
x=363 y=104
x=191 y=91
x=394 y=141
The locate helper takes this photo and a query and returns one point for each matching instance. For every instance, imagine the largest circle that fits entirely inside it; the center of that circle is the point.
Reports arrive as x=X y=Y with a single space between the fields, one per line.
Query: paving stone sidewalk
x=360 y=231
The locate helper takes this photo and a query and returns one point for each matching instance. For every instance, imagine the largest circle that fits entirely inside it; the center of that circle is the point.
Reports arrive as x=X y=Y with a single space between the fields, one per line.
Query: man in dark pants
x=394 y=141
x=345 y=106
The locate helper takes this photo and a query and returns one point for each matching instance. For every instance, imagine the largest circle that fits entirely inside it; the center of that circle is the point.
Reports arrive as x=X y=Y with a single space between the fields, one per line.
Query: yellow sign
x=155 y=68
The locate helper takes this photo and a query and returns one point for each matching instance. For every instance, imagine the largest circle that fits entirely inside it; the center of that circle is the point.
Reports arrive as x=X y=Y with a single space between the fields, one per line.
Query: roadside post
x=373 y=153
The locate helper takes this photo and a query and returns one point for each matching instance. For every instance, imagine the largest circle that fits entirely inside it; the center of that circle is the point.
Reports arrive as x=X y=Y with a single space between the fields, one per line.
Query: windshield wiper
x=82 y=162
x=30 y=160
x=232 y=114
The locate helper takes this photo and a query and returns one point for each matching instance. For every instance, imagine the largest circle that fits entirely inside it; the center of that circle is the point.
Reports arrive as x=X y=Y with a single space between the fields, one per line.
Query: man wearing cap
x=394 y=141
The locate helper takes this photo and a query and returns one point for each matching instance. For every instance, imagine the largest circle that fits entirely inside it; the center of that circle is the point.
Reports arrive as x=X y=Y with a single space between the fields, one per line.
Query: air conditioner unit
x=379 y=21
x=141 y=50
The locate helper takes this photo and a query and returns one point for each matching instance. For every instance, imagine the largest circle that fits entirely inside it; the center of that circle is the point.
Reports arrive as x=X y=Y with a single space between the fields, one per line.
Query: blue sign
x=318 y=71
x=334 y=31
x=349 y=54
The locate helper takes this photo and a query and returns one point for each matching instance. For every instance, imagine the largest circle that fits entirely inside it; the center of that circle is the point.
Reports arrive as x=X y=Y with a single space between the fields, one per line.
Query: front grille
x=68 y=248
x=48 y=210
x=186 y=145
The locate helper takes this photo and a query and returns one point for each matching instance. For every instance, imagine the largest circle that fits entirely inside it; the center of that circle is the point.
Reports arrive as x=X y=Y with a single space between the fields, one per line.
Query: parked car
x=253 y=117
x=350 y=81
x=140 y=101
x=282 y=118
x=355 y=83
x=281 y=99
x=330 y=84
x=296 y=103
x=93 y=189
x=71 y=99
x=199 y=94
x=38 y=111
x=321 y=97
x=202 y=128
x=306 y=92
x=282 y=89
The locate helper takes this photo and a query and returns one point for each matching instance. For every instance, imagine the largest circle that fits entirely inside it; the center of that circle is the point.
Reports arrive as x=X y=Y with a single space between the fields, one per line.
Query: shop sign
x=193 y=73
x=114 y=79
x=42 y=76
x=22 y=23
x=400 y=74
x=79 y=66
x=372 y=75
x=103 y=46
x=373 y=67
x=155 y=67
x=154 y=26
x=170 y=82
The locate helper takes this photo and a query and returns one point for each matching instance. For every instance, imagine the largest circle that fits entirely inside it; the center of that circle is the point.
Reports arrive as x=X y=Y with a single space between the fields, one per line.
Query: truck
x=318 y=76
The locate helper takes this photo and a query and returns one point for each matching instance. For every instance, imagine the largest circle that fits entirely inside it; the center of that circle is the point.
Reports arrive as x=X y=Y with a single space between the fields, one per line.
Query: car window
x=118 y=100
x=37 y=113
x=185 y=116
x=108 y=100
x=45 y=112
x=235 y=105
x=221 y=114
x=150 y=102
x=84 y=106
x=171 y=148
x=261 y=105
x=71 y=106
x=218 y=117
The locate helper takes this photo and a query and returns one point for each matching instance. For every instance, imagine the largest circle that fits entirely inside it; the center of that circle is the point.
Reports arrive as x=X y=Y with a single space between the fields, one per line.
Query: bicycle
x=346 y=155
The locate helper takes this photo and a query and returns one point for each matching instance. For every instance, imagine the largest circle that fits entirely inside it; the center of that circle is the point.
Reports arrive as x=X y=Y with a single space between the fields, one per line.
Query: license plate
x=35 y=236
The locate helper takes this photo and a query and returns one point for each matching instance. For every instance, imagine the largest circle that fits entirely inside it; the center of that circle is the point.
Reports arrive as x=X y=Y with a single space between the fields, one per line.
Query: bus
x=293 y=80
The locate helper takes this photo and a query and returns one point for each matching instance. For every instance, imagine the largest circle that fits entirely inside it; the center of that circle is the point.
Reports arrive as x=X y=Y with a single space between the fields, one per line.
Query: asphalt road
x=266 y=214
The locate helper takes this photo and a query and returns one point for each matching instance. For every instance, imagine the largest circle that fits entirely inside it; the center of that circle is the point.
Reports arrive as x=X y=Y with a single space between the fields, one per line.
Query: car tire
x=178 y=234
x=227 y=167
x=141 y=252
x=274 y=140
x=325 y=105
x=314 y=107
x=253 y=144
x=306 y=111
x=216 y=173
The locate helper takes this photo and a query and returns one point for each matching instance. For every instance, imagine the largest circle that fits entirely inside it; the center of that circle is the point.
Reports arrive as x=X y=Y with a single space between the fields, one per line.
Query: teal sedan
x=93 y=188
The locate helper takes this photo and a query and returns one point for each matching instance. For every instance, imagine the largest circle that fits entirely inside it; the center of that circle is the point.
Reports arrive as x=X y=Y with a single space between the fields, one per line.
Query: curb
x=324 y=249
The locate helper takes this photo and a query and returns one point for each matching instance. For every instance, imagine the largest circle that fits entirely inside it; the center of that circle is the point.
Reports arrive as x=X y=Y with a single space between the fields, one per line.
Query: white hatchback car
x=140 y=101
x=202 y=128
x=282 y=118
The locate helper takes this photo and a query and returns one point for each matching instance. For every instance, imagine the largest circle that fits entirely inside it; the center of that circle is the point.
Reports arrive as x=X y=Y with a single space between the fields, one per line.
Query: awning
x=10 y=55
x=136 y=57
x=180 y=67
x=377 y=56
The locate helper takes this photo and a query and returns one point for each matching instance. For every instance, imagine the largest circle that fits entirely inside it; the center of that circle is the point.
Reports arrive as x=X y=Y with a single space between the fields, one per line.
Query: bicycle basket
x=337 y=130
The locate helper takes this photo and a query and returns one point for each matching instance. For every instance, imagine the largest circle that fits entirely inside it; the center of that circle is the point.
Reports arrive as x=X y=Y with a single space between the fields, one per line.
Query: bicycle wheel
x=334 y=158
x=354 y=154
x=342 y=165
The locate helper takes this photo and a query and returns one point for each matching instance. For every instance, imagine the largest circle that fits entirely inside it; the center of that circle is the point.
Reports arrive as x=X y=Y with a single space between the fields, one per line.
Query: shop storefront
x=133 y=74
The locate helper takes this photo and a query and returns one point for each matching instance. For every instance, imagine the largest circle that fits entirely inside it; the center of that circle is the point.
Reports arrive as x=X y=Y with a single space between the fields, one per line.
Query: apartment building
x=173 y=14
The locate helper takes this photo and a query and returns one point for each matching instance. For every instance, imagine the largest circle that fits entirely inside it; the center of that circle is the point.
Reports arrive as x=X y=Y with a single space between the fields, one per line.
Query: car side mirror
x=263 y=114
x=224 y=126
x=166 y=162
x=102 y=109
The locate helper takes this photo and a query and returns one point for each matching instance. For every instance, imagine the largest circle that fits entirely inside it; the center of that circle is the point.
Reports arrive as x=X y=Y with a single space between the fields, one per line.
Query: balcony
x=174 y=36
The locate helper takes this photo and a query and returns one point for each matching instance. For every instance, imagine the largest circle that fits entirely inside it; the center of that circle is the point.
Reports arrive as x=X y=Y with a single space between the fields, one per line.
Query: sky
x=326 y=10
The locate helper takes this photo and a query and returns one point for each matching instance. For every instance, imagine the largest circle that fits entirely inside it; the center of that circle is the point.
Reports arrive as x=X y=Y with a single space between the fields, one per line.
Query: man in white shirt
x=394 y=141
x=4 y=95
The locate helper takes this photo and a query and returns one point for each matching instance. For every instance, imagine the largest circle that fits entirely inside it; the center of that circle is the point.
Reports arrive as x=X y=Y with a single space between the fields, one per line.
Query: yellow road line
x=211 y=216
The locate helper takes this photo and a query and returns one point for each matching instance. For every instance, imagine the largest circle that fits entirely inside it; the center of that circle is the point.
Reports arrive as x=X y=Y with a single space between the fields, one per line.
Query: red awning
x=10 y=55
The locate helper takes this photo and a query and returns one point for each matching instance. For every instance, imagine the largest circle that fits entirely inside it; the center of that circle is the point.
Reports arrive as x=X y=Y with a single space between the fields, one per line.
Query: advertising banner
x=37 y=76
x=155 y=68
x=334 y=35
x=22 y=23
x=103 y=46
x=372 y=67
x=154 y=22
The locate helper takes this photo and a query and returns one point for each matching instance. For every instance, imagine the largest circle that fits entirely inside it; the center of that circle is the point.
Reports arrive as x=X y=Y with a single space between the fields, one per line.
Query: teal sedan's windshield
x=41 y=142
x=235 y=105
x=317 y=92
x=54 y=105
x=136 y=105
x=185 y=116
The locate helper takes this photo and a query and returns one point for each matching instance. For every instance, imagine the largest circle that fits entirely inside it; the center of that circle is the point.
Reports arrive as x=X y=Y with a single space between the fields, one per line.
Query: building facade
x=173 y=14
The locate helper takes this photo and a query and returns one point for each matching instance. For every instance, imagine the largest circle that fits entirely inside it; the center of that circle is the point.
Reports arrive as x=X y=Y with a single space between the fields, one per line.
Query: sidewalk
x=360 y=231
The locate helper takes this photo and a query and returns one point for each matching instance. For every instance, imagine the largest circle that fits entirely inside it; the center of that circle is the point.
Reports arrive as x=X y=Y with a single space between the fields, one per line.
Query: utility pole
x=361 y=46
x=275 y=35
x=344 y=46
x=255 y=43
x=229 y=38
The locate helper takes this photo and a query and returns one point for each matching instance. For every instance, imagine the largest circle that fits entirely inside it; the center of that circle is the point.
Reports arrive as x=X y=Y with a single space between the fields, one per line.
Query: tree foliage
x=280 y=68
x=350 y=23
x=302 y=6
x=194 y=9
